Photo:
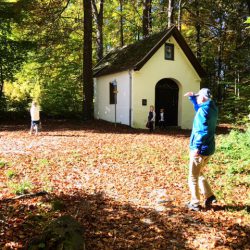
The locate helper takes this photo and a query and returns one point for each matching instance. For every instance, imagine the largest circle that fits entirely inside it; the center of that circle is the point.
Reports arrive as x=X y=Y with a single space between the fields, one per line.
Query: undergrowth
x=230 y=168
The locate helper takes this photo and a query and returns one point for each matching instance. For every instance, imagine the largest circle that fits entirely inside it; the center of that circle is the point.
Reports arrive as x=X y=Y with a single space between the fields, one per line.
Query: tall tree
x=12 y=50
x=121 y=23
x=147 y=18
x=215 y=30
x=8 y=11
x=98 y=15
x=179 y=20
x=198 y=30
x=87 y=62
x=170 y=12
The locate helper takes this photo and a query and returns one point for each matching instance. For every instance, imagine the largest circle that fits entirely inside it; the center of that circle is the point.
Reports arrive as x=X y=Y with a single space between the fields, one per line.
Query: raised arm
x=192 y=98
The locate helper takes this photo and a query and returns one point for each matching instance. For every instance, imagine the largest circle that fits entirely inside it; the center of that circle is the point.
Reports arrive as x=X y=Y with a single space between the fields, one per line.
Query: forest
x=81 y=183
x=48 y=49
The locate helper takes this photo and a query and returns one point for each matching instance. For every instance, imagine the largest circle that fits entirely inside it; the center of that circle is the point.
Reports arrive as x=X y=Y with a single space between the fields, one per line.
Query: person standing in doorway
x=35 y=117
x=151 y=118
x=162 y=119
x=202 y=146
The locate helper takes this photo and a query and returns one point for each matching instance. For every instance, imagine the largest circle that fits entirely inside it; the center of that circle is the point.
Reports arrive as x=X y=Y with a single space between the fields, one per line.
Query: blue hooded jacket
x=204 y=125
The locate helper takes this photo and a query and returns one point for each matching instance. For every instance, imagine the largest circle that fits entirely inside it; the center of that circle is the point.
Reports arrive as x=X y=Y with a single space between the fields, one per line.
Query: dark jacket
x=151 y=116
x=204 y=125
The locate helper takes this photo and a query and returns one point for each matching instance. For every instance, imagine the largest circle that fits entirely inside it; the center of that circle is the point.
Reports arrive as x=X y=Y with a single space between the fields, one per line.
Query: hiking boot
x=210 y=200
x=193 y=207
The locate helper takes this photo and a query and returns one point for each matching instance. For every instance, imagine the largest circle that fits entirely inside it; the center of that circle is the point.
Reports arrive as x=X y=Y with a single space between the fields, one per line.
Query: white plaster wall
x=180 y=70
x=105 y=111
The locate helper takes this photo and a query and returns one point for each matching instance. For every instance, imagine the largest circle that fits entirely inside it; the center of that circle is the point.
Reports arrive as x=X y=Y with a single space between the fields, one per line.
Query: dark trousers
x=161 y=124
x=151 y=126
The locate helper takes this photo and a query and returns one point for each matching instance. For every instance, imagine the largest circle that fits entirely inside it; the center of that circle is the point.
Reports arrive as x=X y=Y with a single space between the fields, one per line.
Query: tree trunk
x=179 y=14
x=248 y=6
x=198 y=41
x=146 y=19
x=121 y=24
x=170 y=13
x=219 y=69
x=221 y=60
x=1 y=77
x=198 y=31
x=87 y=62
x=99 y=33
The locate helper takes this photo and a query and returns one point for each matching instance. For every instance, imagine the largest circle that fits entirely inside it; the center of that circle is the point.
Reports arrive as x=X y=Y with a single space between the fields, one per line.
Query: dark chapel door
x=166 y=97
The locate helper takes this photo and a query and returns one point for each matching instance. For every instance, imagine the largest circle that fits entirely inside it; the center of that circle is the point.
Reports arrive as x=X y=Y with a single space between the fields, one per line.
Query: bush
x=236 y=109
x=236 y=146
x=231 y=166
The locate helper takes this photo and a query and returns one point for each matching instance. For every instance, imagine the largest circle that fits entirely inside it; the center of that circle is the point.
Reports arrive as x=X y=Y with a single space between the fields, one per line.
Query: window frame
x=112 y=93
x=171 y=47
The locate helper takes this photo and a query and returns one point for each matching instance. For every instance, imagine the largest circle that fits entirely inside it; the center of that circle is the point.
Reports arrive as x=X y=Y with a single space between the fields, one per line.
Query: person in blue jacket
x=202 y=146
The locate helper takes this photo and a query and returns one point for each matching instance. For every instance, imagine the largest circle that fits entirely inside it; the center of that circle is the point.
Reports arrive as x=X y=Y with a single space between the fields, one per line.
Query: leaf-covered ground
x=127 y=188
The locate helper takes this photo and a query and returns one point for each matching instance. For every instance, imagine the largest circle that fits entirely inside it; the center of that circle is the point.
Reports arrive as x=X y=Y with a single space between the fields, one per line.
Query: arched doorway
x=166 y=97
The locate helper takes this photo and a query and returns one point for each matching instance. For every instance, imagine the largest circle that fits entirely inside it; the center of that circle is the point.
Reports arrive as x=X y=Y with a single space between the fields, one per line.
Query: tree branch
x=63 y=9
x=25 y=196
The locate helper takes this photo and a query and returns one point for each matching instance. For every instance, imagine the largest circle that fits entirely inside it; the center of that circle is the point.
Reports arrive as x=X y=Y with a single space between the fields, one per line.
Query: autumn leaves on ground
x=126 y=187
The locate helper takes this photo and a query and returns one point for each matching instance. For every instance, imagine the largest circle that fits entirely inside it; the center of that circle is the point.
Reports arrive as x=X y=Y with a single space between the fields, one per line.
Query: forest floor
x=127 y=188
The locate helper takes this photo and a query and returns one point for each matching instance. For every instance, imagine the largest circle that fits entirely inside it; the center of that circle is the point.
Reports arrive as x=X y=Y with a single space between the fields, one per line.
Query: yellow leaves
x=20 y=90
x=14 y=91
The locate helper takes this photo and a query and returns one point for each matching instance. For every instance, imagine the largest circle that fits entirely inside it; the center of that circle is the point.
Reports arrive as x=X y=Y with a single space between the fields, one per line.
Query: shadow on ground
x=97 y=126
x=109 y=224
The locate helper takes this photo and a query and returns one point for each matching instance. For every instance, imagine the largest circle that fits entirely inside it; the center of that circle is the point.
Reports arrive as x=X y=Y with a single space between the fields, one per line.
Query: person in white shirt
x=35 y=117
x=162 y=119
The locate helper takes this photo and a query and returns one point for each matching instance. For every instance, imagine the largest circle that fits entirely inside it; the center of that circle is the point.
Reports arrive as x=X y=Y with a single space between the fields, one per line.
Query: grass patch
x=10 y=173
x=2 y=164
x=230 y=168
x=43 y=162
x=23 y=187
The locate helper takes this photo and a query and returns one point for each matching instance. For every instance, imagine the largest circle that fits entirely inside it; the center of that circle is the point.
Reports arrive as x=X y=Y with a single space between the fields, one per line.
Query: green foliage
x=41 y=49
x=248 y=22
x=13 y=50
x=231 y=167
x=236 y=108
x=236 y=149
x=132 y=26
x=61 y=93
x=51 y=73
x=223 y=41
x=2 y=163
x=239 y=169
x=22 y=187
x=10 y=174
